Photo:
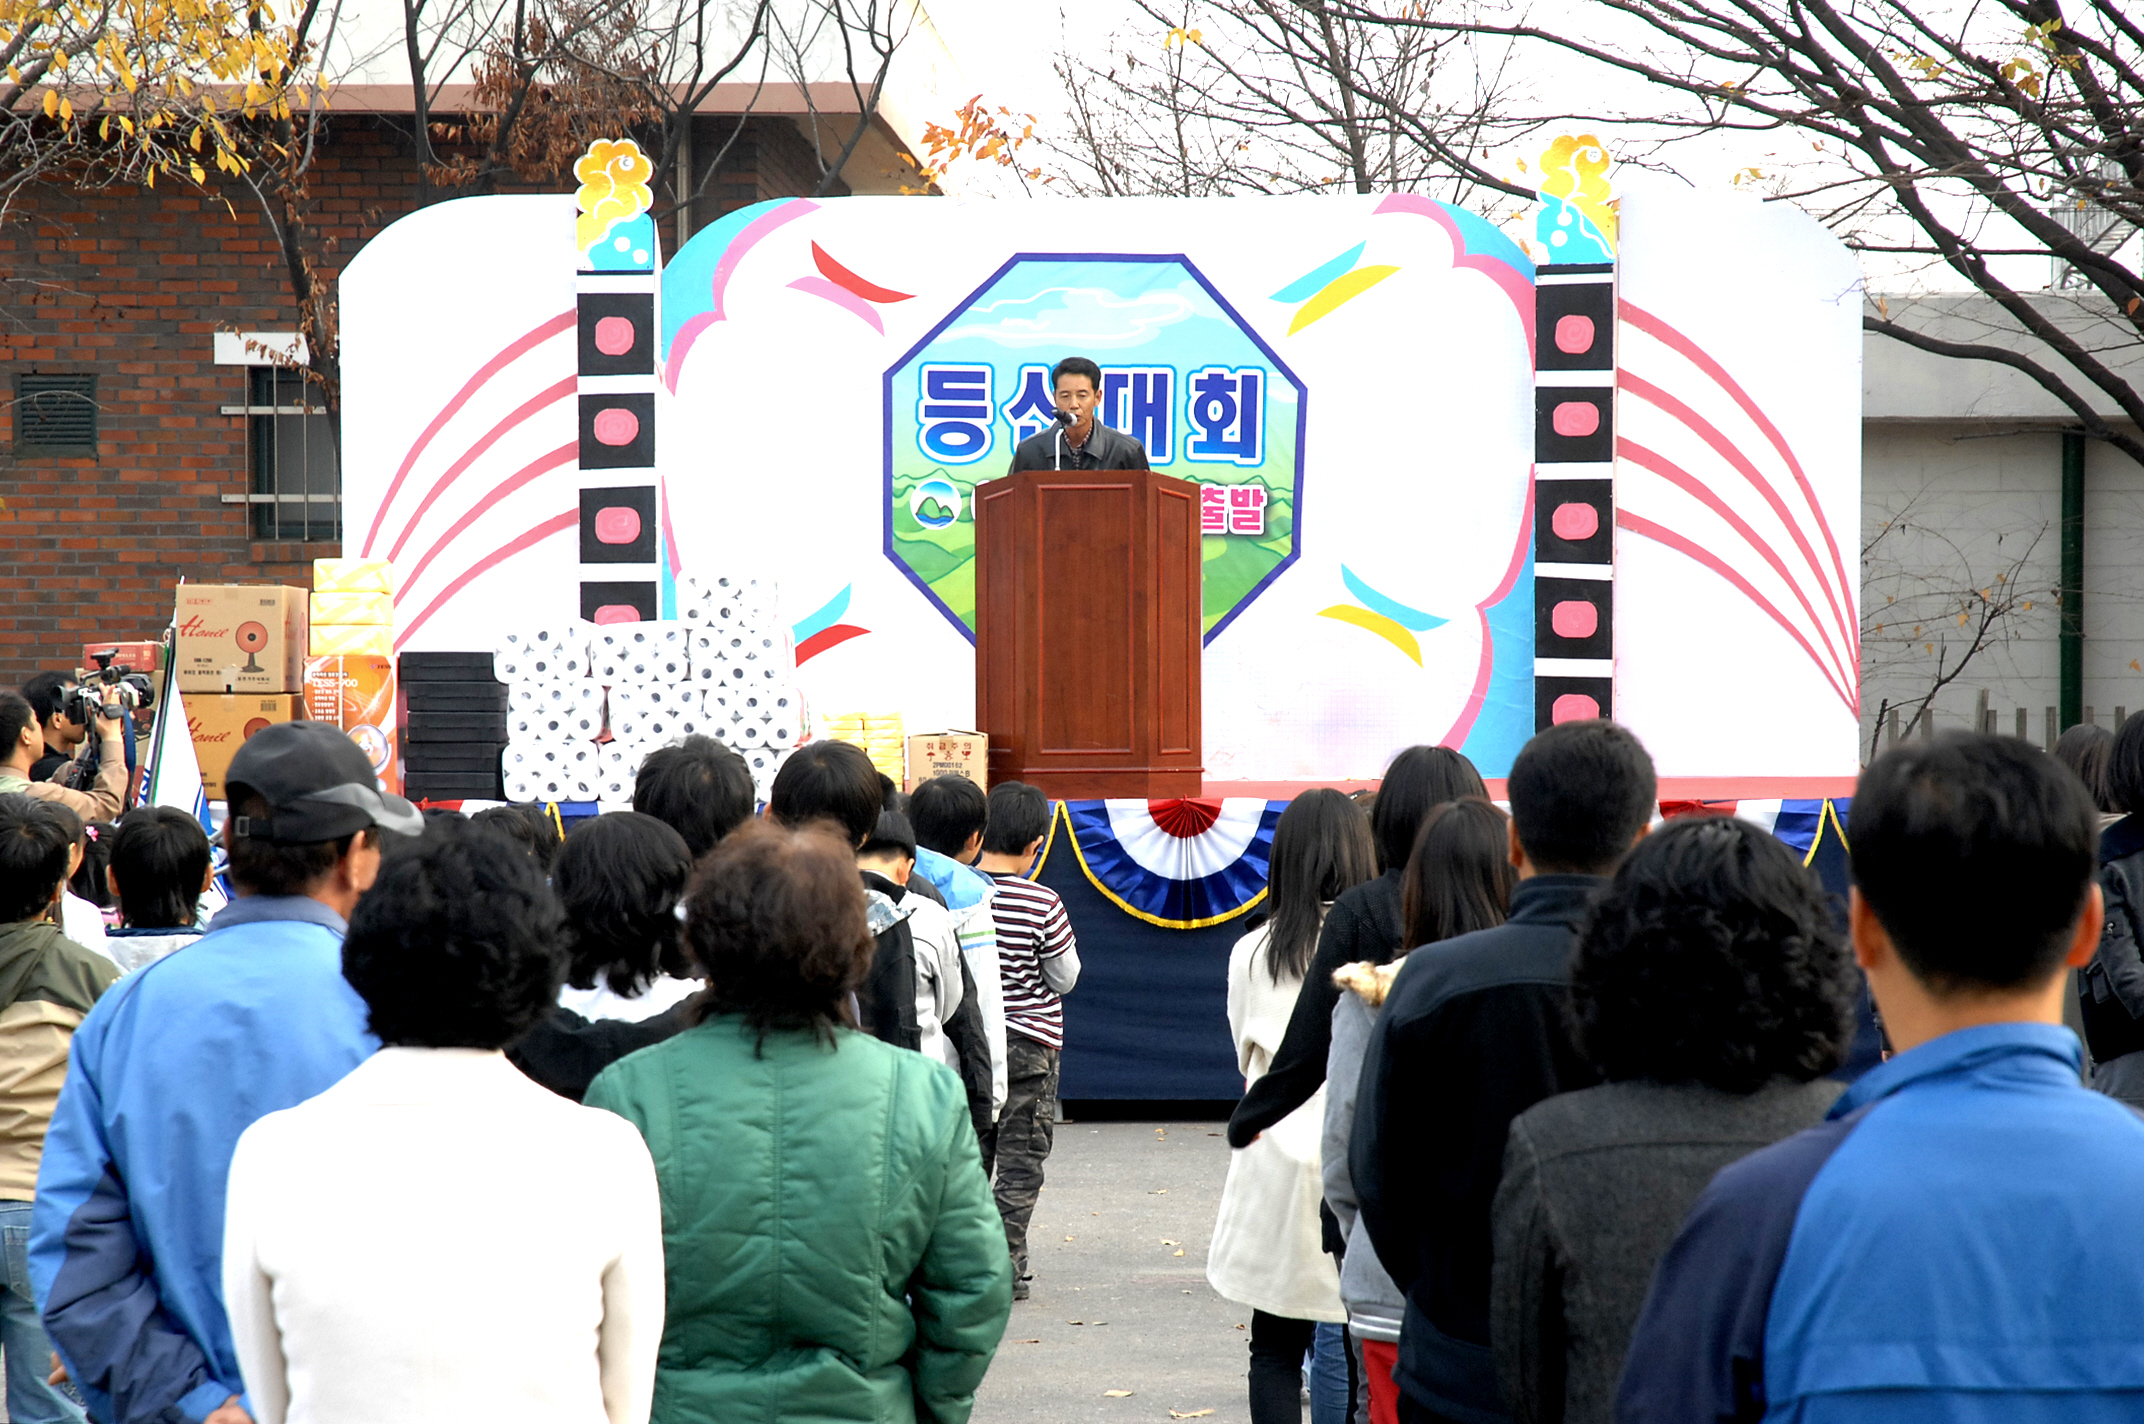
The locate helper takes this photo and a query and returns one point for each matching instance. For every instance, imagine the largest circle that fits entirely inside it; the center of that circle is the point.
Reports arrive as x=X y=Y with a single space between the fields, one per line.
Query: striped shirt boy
x=1034 y=937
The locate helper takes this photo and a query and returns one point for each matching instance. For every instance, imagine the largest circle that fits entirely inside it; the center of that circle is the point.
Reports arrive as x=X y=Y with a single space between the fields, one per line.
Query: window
x=296 y=488
x=55 y=414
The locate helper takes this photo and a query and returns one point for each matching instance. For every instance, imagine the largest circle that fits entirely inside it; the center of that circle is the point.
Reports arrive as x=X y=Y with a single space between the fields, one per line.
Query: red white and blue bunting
x=1799 y=823
x=1180 y=863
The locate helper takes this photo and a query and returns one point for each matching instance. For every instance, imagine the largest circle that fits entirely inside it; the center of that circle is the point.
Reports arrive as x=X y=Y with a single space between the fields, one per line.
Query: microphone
x=1064 y=418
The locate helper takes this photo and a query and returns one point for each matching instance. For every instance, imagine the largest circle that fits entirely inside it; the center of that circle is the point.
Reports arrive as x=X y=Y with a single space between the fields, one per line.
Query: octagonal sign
x=1181 y=371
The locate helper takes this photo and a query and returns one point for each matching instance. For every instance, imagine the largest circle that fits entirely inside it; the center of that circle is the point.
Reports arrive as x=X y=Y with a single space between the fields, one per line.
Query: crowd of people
x=689 y=1113
x=1562 y=1115
x=697 y=1114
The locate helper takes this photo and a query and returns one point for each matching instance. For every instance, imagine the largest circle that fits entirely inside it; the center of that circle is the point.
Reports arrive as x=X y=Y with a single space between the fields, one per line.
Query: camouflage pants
x=1025 y=1131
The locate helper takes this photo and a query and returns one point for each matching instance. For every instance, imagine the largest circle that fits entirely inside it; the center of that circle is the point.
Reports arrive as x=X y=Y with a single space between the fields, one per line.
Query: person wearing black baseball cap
x=167 y=1071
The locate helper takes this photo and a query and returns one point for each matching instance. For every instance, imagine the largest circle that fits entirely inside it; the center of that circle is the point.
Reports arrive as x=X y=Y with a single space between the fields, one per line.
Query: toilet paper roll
x=667 y=634
x=657 y=725
x=606 y=670
x=625 y=726
x=670 y=665
x=781 y=732
x=616 y=788
x=720 y=706
x=751 y=732
x=521 y=786
x=578 y=786
x=506 y=666
x=764 y=675
x=524 y=696
x=762 y=762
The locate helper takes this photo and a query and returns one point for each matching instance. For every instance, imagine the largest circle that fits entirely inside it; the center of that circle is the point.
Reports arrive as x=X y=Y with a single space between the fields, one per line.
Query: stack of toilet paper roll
x=590 y=703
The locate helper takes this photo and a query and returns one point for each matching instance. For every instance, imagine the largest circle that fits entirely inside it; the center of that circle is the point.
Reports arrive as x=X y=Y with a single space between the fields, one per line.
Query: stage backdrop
x=1351 y=378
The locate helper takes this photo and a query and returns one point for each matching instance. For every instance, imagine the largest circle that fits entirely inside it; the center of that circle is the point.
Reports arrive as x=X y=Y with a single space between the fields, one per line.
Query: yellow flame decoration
x=1575 y=169
x=614 y=177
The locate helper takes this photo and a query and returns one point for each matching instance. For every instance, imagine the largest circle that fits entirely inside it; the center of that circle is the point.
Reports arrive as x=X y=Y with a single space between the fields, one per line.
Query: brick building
x=136 y=448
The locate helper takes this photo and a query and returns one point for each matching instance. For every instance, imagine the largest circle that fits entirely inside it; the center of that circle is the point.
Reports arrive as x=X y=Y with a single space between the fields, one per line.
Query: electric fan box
x=221 y=722
x=241 y=637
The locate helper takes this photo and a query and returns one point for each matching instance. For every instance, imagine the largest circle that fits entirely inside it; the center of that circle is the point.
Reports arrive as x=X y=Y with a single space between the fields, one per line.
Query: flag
x=174 y=770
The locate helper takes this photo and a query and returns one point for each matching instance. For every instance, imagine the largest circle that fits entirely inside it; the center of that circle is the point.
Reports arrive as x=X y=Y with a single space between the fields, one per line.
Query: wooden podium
x=1087 y=623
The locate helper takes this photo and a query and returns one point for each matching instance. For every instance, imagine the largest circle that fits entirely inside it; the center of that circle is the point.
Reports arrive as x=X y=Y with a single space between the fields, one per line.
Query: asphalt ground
x=1122 y=1325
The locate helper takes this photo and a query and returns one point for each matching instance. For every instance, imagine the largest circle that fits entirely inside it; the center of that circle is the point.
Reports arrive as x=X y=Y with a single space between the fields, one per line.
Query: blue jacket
x=1962 y=1240
x=175 y=1061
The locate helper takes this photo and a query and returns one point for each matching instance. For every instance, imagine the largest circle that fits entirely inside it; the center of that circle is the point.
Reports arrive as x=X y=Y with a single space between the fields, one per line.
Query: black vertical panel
x=1550 y=594
x=1548 y=689
x=1551 y=496
x=637 y=595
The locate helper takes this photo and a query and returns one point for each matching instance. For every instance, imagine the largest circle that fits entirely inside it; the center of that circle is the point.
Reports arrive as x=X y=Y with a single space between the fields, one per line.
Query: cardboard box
x=948 y=754
x=351 y=640
x=142 y=657
x=353 y=576
x=374 y=610
x=220 y=721
x=357 y=694
x=241 y=637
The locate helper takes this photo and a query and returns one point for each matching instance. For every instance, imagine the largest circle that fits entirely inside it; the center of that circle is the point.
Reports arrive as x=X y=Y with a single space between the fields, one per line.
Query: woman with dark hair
x=1364 y=924
x=833 y=1250
x=436 y=1237
x=619 y=878
x=1268 y=1250
x=2085 y=749
x=1713 y=989
x=1458 y=879
x=2110 y=990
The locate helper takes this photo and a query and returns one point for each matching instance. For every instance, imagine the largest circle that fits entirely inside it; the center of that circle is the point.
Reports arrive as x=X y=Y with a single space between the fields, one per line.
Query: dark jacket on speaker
x=1105 y=449
x=1473 y=1034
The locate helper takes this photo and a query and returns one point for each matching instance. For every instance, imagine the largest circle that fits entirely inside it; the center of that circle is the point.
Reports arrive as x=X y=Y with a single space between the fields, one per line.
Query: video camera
x=104 y=686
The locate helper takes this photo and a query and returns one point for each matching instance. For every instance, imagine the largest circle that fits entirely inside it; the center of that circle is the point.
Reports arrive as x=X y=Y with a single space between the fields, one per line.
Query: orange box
x=357 y=694
x=948 y=754
x=220 y=721
x=241 y=637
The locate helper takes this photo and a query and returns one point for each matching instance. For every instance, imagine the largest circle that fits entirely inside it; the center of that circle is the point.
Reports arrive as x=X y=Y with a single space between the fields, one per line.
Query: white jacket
x=437 y=1238
x=1268 y=1251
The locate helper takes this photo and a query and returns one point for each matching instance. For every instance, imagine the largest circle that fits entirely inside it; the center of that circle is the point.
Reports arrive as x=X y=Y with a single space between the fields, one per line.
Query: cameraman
x=50 y=694
x=22 y=742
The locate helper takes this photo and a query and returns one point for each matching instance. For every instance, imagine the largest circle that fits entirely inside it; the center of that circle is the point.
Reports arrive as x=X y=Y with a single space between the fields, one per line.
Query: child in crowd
x=888 y=861
x=158 y=873
x=1039 y=963
x=699 y=788
x=948 y=813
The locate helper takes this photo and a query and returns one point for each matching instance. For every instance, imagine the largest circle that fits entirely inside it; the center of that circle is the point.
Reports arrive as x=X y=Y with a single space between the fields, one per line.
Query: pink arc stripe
x=491 y=437
x=1654 y=327
x=562 y=322
x=677 y=563
x=1653 y=395
x=1683 y=480
x=1457 y=735
x=558 y=524
x=541 y=465
x=1638 y=525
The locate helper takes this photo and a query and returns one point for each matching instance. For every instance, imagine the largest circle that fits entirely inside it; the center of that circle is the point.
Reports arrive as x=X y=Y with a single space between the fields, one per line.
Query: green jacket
x=831 y=1246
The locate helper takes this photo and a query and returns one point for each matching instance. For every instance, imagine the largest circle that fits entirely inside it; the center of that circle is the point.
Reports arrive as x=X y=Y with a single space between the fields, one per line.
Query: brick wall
x=132 y=287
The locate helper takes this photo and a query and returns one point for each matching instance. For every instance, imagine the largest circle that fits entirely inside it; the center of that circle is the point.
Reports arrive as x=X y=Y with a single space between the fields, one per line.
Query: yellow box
x=374 y=610
x=948 y=754
x=353 y=576
x=352 y=640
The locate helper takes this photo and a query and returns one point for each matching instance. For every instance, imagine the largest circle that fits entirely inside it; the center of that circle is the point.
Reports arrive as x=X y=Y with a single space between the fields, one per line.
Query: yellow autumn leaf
x=52 y=104
x=66 y=111
x=199 y=176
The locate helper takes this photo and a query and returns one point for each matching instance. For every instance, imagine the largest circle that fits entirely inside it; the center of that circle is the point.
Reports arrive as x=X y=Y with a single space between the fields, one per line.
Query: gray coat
x=1374 y=1304
x=1595 y=1185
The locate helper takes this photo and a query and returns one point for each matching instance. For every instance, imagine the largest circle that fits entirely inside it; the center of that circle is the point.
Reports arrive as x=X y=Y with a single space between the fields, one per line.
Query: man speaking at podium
x=1078 y=441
